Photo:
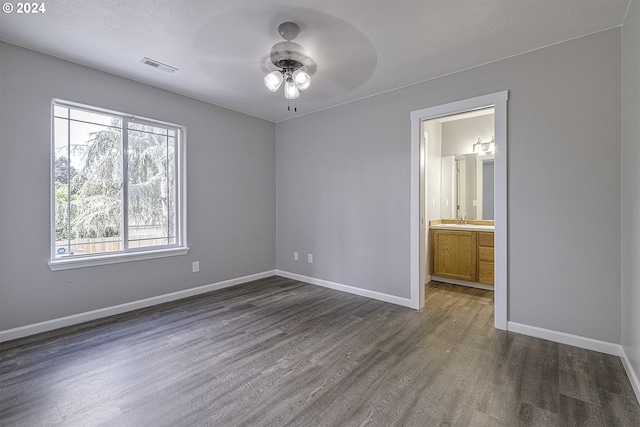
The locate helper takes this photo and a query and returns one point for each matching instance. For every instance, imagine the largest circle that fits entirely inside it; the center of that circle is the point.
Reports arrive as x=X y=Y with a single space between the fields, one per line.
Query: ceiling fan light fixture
x=273 y=80
x=302 y=79
x=291 y=89
x=290 y=60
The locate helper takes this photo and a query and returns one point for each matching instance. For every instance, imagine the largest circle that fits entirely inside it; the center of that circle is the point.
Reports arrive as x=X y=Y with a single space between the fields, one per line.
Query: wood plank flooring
x=278 y=352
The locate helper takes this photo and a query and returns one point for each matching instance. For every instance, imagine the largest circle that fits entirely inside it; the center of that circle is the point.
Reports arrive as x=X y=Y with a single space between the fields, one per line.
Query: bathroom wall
x=458 y=136
x=433 y=168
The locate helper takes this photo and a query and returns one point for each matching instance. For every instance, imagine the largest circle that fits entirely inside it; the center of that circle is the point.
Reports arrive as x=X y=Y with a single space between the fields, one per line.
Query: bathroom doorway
x=459 y=153
x=427 y=185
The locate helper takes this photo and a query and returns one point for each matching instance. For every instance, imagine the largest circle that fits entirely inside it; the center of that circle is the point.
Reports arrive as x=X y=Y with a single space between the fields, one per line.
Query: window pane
x=59 y=111
x=172 y=192
x=96 y=209
x=98 y=118
x=148 y=128
x=61 y=136
x=88 y=184
x=152 y=195
x=61 y=176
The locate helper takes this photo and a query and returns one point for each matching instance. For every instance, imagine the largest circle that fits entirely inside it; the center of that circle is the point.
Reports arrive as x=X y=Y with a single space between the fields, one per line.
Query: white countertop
x=466 y=227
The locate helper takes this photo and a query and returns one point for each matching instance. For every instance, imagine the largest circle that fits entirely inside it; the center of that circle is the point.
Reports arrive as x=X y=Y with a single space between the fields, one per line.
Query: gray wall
x=344 y=186
x=231 y=192
x=631 y=185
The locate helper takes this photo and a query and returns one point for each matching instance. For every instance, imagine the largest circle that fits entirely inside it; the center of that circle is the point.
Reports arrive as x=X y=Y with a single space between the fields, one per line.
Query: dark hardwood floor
x=280 y=352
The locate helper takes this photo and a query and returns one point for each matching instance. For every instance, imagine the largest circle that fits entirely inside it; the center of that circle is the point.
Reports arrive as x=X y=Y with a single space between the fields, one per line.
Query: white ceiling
x=361 y=47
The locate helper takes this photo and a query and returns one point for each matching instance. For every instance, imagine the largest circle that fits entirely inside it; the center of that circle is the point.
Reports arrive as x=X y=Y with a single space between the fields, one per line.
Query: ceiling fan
x=293 y=66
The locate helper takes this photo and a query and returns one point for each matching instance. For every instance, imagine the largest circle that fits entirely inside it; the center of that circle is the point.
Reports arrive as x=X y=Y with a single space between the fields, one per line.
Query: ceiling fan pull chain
x=295 y=106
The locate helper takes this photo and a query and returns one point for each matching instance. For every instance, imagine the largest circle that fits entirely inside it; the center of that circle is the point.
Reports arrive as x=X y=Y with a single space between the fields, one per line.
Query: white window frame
x=127 y=254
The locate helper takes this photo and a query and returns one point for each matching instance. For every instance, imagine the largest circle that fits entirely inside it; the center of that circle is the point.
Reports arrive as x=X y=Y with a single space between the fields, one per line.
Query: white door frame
x=418 y=263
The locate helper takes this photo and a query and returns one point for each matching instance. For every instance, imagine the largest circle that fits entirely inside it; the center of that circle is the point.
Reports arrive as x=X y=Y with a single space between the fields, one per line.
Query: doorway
x=458 y=159
x=419 y=209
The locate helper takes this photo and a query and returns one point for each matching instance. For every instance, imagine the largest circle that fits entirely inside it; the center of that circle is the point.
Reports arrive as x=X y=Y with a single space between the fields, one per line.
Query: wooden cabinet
x=463 y=255
x=485 y=258
x=454 y=254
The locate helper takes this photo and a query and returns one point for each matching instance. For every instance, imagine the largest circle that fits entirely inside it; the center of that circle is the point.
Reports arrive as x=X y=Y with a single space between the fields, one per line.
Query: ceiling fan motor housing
x=288 y=55
x=288 y=30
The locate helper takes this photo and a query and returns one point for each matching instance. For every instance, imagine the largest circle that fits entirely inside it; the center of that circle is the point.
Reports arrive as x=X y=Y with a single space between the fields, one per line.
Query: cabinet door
x=454 y=254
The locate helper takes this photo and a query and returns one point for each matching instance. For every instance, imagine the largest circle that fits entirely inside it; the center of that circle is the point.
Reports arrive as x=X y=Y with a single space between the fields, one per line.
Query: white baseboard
x=564 y=338
x=631 y=373
x=406 y=302
x=74 y=319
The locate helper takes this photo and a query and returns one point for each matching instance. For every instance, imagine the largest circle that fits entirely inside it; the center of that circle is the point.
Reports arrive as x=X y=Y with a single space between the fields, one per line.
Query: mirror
x=467 y=186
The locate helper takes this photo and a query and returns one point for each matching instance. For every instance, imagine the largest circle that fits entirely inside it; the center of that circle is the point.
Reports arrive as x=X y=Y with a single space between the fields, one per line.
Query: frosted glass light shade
x=291 y=90
x=273 y=80
x=302 y=79
x=477 y=147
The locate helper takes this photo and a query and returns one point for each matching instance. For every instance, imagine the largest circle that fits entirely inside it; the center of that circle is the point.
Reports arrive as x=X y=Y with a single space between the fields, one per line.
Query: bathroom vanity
x=462 y=252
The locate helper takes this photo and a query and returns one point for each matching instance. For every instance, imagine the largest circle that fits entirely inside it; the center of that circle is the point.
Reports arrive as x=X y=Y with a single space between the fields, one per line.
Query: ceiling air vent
x=158 y=65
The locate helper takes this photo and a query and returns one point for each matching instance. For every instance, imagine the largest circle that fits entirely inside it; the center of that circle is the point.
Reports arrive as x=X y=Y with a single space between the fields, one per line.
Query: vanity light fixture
x=492 y=145
x=481 y=148
x=477 y=147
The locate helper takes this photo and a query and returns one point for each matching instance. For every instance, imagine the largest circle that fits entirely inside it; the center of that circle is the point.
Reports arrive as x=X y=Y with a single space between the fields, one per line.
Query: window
x=116 y=187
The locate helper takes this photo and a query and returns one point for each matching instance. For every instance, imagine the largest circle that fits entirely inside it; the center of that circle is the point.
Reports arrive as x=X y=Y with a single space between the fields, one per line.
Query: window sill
x=68 y=264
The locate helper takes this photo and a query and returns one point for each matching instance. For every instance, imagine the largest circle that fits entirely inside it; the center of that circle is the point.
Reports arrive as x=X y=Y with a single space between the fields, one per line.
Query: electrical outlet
x=295 y=256
x=310 y=258
x=195 y=266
